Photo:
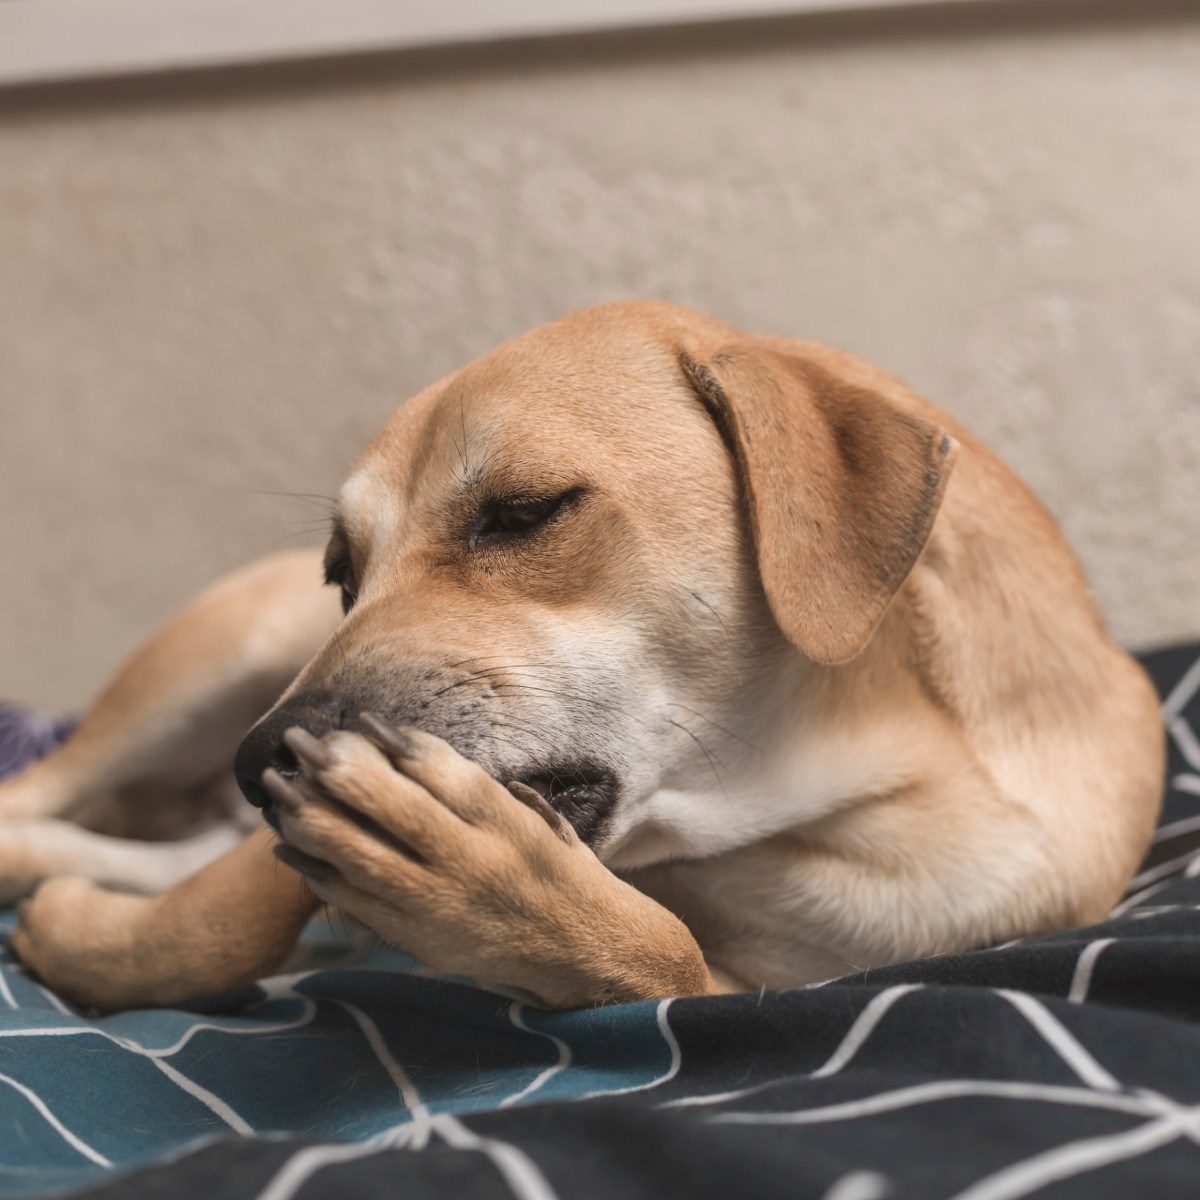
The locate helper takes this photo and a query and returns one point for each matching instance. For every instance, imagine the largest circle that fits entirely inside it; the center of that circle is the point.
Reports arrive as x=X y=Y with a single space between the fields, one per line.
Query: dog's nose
x=263 y=746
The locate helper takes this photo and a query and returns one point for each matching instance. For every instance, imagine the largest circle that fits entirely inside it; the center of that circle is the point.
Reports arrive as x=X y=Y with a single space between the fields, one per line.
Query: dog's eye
x=514 y=518
x=340 y=575
x=517 y=518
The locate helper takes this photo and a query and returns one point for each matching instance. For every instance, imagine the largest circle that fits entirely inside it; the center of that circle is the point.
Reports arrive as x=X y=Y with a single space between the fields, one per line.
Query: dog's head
x=583 y=559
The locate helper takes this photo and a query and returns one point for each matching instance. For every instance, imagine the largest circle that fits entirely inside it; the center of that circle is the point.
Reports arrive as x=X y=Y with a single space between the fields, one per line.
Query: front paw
x=80 y=940
x=419 y=843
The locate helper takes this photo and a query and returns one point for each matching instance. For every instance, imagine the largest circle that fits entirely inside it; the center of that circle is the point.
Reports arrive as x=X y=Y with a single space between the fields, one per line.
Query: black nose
x=263 y=746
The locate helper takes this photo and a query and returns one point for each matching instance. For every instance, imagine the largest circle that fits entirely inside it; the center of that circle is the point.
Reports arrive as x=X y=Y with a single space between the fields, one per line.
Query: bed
x=1061 y=1066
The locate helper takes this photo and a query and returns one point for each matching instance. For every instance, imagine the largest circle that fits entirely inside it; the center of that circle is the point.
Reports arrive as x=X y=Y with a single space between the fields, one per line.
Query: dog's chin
x=584 y=795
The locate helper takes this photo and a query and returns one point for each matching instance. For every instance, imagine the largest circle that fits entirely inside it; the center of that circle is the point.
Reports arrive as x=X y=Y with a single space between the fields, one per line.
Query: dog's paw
x=77 y=939
x=472 y=877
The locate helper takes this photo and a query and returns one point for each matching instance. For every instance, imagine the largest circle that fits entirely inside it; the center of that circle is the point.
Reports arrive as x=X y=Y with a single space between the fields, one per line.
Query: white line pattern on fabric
x=1081 y=981
x=1161 y=910
x=413 y=1133
x=55 y=1002
x=736 y=1094
x=932 y=1093
x=850 y=1044
x=1061 y=1040
x=1004 y=945
x=1178 y=697
x=519 y=1171
x=310 y=1011
x=1186 y=740
x=1165 y=833
x=1133 y=901
x=305 y=1018
x=76 y=1143
x=1073 y=1159
x=304 y=1164
x=859 y=1185
x=220 y=1108
x=863 y=1027
x=564 y=1057
x=409 y=1095
x=664 y=1026
x=212 y=1102
x=1172 y=867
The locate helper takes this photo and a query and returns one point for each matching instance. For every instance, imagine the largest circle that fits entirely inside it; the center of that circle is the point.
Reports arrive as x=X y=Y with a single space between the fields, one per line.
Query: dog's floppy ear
x=841 y=485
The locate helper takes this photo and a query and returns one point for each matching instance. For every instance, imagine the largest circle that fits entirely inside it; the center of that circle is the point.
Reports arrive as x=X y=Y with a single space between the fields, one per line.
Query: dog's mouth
x=583 y=794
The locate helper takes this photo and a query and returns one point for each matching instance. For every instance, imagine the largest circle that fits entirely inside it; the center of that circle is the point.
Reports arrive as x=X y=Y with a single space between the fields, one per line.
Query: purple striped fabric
x=27 y=735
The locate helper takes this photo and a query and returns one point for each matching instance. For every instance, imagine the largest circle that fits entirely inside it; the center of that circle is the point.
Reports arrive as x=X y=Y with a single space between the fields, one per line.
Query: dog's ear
x=841 y=485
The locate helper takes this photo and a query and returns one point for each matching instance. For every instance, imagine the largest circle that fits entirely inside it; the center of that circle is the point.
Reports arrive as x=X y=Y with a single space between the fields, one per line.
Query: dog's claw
x=286 y=794
x=395 y=743
x=533 y=799
x=308 y=749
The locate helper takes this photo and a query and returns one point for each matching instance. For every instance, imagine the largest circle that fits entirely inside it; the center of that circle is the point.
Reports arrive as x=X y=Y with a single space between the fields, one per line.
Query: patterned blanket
x=1064 y=1066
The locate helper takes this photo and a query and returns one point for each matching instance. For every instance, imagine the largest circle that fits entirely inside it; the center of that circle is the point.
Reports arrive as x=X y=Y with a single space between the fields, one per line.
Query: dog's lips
x=583 y=795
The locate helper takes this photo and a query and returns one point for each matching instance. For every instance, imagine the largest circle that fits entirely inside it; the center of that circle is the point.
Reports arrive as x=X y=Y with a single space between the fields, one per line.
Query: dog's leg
x=434 y=854
x=233 y=922
x=33 y=851
x=171 y=719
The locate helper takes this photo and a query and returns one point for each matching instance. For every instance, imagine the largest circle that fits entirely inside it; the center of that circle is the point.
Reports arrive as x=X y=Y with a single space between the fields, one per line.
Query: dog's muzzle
x=583 y=793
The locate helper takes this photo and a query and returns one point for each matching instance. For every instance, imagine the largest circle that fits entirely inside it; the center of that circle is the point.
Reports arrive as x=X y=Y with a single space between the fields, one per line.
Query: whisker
x=336 y=638
x=705 y=750
x=329 y=502
x=725 y=628
x=458 y=683
x=728 y=732
x=571 y=697
x=310 y=526
x=515 y=727
x=517 y=666
x=531 y=668
x=287 y=537
x=491 y=737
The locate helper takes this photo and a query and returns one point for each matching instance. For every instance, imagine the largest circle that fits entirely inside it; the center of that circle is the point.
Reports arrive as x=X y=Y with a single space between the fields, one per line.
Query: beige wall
x=215 y=288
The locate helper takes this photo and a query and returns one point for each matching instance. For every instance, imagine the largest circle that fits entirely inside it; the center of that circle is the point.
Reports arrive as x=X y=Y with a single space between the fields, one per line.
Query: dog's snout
x=263 y=746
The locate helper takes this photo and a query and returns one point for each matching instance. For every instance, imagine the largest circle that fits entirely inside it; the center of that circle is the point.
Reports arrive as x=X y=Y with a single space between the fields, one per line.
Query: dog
x=660 y=659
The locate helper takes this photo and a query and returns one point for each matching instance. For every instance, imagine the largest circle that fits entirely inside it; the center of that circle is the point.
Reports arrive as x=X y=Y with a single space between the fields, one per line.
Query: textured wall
x=213 y=289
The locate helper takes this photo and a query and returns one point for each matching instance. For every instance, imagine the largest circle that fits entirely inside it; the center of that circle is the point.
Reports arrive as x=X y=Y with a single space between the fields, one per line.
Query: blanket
x=1059 y=1066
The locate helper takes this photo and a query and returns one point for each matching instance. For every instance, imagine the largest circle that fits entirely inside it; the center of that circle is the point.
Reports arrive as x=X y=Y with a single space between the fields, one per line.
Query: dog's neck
x=799 y=742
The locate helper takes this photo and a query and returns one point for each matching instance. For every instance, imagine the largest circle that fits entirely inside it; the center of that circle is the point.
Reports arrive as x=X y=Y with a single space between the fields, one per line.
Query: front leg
x=232 y=922
x=473 y=878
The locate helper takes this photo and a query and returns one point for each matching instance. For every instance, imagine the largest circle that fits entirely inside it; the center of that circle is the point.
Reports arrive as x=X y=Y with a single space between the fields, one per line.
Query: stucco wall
x=213 y=289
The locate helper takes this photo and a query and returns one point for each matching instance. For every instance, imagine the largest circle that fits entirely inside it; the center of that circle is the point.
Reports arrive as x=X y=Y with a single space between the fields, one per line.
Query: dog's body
x=704 y=594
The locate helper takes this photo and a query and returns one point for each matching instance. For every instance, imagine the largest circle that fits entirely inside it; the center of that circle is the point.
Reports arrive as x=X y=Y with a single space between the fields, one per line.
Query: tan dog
x=692 y=669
